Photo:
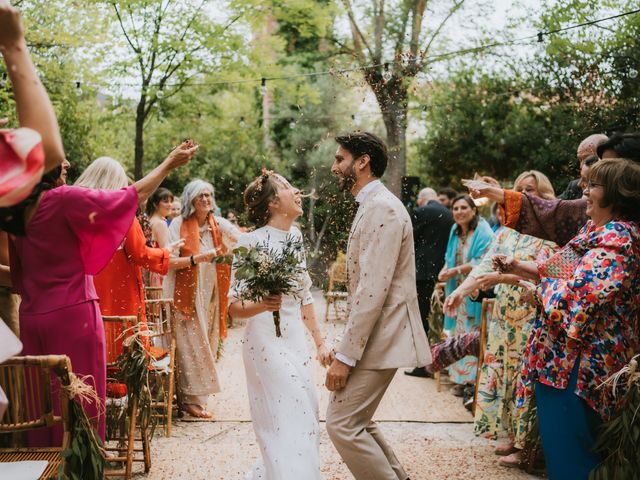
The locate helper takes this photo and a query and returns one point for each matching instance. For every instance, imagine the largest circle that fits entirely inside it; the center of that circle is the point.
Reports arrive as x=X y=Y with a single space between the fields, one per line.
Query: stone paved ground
x=430 y=431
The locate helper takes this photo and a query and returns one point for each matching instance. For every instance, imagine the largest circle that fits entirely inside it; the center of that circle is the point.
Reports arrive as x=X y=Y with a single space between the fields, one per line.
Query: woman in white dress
x=282 y=395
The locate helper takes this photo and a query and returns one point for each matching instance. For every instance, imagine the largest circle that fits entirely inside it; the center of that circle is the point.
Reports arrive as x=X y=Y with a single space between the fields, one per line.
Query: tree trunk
x=392 y=98
x=139 y=141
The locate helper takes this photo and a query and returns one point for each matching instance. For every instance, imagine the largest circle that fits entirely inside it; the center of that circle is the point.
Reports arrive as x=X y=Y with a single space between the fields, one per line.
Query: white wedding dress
x=282 y=395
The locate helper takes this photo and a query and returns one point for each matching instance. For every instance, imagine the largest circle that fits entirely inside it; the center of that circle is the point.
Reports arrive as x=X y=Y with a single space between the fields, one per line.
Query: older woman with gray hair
x=199 y=288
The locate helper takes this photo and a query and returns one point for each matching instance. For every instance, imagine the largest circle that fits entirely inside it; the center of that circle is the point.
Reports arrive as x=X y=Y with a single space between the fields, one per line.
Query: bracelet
x=193 y=261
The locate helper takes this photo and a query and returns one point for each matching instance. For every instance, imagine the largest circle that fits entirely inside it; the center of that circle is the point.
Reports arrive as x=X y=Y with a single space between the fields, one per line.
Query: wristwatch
x=193 y=261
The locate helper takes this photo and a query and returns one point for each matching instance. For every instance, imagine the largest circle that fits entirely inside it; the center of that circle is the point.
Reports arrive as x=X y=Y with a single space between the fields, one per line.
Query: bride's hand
x=271 y=304
x=325 y=356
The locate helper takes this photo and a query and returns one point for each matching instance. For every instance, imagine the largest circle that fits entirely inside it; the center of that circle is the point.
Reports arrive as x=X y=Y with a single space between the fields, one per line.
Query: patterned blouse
x=590 y=295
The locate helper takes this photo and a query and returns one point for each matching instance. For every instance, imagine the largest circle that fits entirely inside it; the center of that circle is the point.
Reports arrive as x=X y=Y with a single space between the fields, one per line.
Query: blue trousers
x=568 y=428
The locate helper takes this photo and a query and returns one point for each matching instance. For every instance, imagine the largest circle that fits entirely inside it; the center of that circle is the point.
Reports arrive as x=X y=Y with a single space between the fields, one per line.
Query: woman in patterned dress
x=507 y=330
x=587 y=329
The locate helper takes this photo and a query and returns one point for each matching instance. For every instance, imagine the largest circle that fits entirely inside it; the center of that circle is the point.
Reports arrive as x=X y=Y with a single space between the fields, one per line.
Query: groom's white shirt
x=360 y=197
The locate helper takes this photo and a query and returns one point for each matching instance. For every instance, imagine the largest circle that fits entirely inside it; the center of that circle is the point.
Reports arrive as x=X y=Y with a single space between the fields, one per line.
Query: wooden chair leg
x=169 y=404
x=146 y=449
x=133 y=420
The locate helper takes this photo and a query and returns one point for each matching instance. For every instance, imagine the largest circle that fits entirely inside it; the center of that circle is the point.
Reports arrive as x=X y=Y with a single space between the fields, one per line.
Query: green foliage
x=618 y=440
x=133 y=370
x=262 y=271
x=534 y=113
x=84 y=459
x=485 y=125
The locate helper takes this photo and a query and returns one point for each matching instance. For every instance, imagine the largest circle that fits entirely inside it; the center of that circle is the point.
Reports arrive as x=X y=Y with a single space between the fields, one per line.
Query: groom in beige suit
x=384 y=331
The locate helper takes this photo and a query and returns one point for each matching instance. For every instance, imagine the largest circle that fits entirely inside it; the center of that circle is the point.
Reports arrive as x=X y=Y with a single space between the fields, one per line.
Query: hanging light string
x=539 y=37
x=517 y=94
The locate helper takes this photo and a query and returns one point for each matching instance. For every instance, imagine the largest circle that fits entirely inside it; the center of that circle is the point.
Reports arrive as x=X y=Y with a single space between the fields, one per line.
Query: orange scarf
x=187 y=278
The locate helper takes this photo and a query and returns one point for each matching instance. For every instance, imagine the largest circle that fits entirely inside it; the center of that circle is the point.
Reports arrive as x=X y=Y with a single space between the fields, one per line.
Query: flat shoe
x=418 y=372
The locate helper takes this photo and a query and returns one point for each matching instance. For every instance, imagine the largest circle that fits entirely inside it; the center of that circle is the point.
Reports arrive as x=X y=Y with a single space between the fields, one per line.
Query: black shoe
x=418 y=372
x=469 y=391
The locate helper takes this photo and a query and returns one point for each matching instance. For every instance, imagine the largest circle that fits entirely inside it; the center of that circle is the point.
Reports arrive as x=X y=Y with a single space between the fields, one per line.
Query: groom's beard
x=348 y=180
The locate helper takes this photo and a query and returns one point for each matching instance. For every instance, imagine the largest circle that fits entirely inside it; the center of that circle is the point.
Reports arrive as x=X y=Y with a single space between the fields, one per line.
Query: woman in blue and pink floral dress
x=587 y=329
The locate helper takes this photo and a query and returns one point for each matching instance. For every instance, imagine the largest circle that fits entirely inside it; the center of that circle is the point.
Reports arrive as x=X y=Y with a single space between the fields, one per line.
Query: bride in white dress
x=282 y=394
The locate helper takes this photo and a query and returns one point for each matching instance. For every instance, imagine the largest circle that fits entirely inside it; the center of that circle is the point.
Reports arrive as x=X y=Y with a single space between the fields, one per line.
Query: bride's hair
x=258 y=195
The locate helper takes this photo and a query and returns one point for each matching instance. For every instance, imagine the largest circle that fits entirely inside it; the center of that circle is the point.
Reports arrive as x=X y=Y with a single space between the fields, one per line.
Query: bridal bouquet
x=262 y=272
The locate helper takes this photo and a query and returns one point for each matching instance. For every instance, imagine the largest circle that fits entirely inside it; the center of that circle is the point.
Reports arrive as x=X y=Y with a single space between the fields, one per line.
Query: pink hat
x=21 y=164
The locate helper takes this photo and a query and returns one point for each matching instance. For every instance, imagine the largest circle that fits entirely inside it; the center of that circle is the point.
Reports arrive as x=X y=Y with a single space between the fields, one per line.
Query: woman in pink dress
x=60 y=239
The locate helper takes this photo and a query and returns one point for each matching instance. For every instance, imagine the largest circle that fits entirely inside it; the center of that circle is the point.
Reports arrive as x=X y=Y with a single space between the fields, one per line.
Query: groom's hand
x=337 y=376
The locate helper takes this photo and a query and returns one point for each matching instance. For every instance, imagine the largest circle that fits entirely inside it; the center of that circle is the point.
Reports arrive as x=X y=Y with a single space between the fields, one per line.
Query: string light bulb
x=517 y=99
x=78 y=89
x=263 y=86
x=633 y=73
x=242 y=122
x=386 y=75
x=159 y=93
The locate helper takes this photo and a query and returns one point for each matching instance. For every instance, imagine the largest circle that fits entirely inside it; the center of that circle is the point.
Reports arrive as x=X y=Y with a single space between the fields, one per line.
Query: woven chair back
x=32 y=385
x=116 y=328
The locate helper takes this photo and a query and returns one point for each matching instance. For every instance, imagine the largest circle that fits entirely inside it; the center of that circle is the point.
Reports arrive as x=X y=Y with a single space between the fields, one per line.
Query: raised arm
x=549 y=219
x=178 y=157
x=32 y=103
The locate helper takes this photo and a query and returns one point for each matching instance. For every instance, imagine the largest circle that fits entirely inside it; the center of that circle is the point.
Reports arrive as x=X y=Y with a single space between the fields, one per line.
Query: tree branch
x=124 y=30
x=416 y=27
x=358 y=38
x=403 y=30
x=378 y=30
x=456 y=6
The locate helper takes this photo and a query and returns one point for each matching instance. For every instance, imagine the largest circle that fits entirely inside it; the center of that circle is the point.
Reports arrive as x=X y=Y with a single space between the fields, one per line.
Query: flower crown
x=264 y=176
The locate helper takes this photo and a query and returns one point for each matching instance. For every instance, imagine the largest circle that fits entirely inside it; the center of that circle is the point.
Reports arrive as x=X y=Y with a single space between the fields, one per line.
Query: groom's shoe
x=419 y=372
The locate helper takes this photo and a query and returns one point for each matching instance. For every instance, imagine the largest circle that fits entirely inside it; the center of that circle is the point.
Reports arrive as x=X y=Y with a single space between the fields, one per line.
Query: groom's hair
x=365 y=143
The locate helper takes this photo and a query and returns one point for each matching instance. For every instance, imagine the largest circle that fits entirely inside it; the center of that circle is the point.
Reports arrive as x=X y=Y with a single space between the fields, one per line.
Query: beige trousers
x=356 y=437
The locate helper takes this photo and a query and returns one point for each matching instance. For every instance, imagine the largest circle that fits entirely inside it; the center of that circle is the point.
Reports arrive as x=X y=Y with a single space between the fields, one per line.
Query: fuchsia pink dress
x=72 y=236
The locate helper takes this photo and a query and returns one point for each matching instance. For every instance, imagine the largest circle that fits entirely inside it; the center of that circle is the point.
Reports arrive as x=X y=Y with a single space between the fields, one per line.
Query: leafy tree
x=392 y=42
x=60 y=36
x=169 y=44
x=533 y=113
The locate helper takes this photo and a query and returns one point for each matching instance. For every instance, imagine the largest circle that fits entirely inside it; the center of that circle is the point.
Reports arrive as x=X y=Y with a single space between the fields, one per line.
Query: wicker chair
x=337 y=276
x=27 y=383
x=126 y=450
x=160 y=319
x=152 y=293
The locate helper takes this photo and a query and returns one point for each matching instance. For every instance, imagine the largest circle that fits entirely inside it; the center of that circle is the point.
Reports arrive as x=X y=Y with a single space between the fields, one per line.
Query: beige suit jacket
x=384 y=329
